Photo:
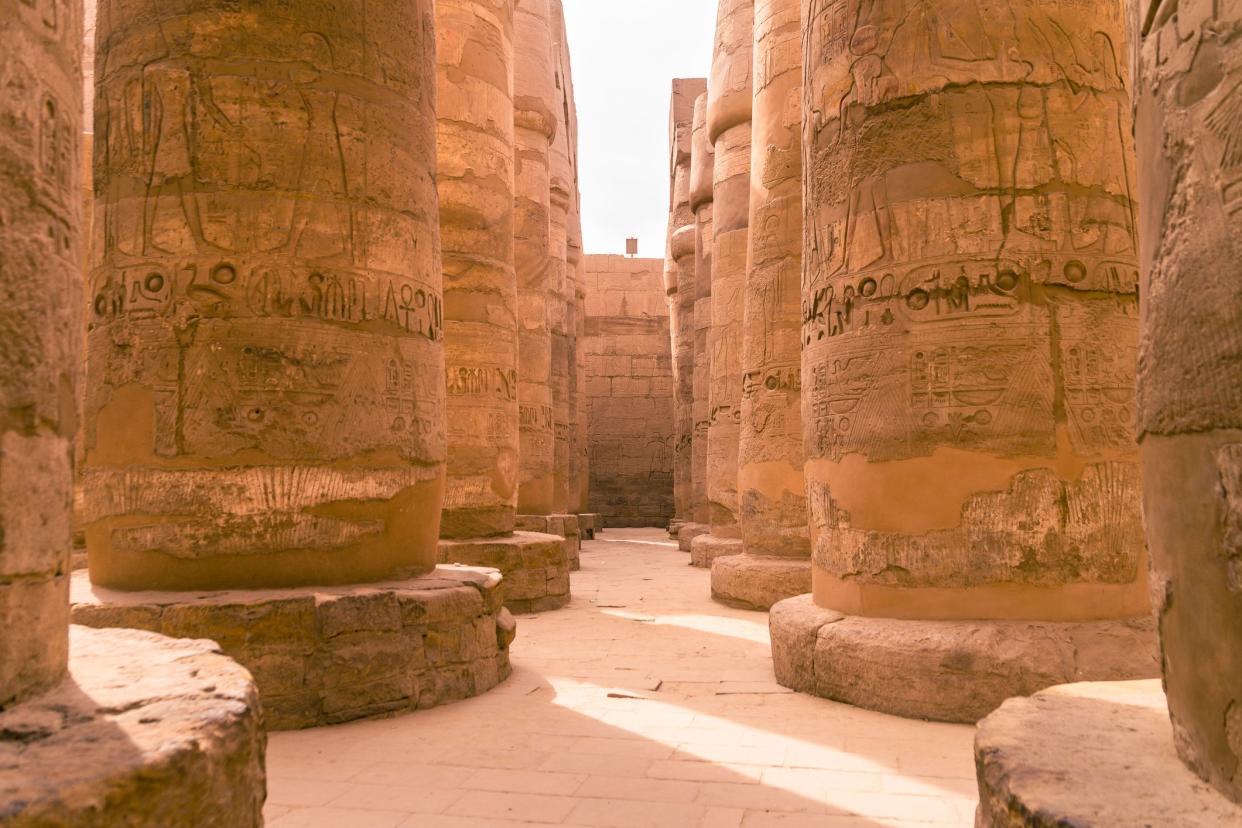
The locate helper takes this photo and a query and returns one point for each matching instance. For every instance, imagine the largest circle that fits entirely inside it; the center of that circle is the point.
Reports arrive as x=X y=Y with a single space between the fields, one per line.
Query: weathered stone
x=265 y=394
x=706 y=548
x=702 y=166
x=952 y=671
x=1090 y=754
x=40 y=346
x=535 y=128
x=474 y=55
x=326 y=655
x=756 y=582
x=770 y=484
x=147 y=731
x=629 y=362
x=533 y=565
x=729 y=131
x=589 y=524
x=1190 y=370
x=687 y=532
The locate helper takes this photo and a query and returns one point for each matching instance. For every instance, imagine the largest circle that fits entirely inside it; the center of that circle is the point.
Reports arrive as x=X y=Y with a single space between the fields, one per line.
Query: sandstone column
x=535 y=128
x=564 y=188
x=86 y=715
x=682 y=252
x=728 y=129
x=475 y=180
x=40 y=240
x=265 y=397
x=474 y=40
x=702 y=163
x=970 y=329
x=1190 y=371
x=265 y=402
x=771 y=486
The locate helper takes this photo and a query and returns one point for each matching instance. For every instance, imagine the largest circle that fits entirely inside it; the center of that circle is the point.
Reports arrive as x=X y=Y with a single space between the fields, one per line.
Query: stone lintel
x=756 y=582
x=687 y=532
x=146 y=730
x=325 y=655
x=706 y=548
x=535 y=567
x=1097 y=753
x=949 y=671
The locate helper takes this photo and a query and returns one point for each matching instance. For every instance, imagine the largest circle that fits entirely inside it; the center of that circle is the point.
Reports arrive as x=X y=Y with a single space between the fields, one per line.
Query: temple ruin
x=905 y=487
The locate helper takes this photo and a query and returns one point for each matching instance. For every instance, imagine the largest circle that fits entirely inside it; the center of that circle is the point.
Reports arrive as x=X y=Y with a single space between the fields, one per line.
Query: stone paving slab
x=643 y=703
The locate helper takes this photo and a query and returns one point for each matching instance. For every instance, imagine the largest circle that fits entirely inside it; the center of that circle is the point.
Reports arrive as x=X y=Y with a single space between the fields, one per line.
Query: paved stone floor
x=643 y=703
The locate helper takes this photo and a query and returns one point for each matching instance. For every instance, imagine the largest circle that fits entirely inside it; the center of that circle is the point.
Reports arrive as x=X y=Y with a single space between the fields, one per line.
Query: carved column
x=474 y=40
x=535 y=129
x=970 y=330
x=729 y=131
x=771 y=486
x=1190 y=369
x=40 y=243
x=682 y=253
x=702 y=163
x=563 y=188
x=265 y=395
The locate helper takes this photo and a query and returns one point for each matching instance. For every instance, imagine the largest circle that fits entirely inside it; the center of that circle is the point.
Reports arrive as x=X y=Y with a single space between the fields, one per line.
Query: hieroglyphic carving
x=267 y=289
x=970 y=279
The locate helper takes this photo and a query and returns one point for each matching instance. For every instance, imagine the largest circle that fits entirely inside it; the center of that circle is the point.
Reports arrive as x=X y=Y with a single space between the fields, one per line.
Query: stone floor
x=643 y=703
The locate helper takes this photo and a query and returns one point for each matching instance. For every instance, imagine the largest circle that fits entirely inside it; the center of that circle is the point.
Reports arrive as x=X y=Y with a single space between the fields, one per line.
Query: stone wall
x=629 y=391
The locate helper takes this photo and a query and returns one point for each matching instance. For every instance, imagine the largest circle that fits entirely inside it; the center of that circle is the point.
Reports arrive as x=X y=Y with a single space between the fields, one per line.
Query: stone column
x=681 y=250
x=702 y=163
x=535 y=128
x=564 y=188
x=40 y=244
x=474 y=42
x=86 y=715
x=265 y=396
x=1190 y=371
x=970 y=330
x=728 y=129
x=265 y=402
x=771 y=486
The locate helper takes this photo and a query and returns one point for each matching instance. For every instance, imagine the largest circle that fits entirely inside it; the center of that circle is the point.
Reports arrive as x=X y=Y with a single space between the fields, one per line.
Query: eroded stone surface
x=566 y=526
x=771 y=486
x=702 y=167
x=629 y=387
x=474 y=108
x=687 y=532
x=706 y=548
x=265 y=331
x=757 y=582
x=729 y=131
x=970 y=312
x=1190 y=369
x=146 y=730
x=40 y=344
x=334 y=654
x=1090 y=754
x=951 y=671
x=535 y=567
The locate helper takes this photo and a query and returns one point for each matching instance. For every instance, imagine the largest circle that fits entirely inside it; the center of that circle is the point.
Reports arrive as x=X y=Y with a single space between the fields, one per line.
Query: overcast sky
x=625 y=54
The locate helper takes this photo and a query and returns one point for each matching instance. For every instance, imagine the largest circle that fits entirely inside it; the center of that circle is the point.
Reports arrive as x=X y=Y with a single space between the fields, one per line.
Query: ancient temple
x=905 y=487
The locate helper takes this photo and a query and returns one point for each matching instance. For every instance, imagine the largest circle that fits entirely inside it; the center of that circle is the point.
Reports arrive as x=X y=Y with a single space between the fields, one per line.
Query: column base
x=146 y=730
x=590 y=524
x=688 y=532
x=756 y=582
x=1090 y=754
x=706 y=548
x=326 y=655
x=534 y=566
x=564 y=525
x=948 y=671
x=674 y=526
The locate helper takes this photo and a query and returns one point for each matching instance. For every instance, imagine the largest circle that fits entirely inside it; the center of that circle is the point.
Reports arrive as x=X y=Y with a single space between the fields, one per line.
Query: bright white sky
x=625 y=55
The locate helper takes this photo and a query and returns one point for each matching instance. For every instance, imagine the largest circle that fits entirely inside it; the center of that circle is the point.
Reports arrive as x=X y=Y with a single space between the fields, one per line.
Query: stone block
x=1090 y=754
x=756 y=582
x=331 y=654
x=687 y=532
x=148 y=731
x=704 y=549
